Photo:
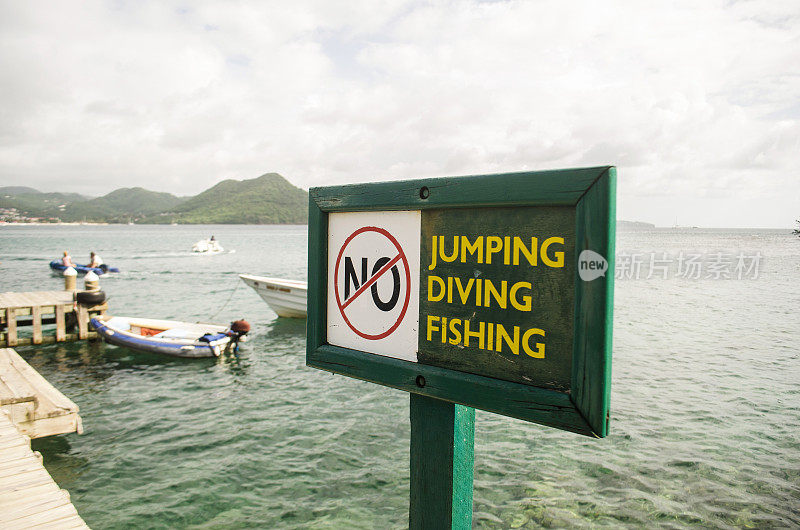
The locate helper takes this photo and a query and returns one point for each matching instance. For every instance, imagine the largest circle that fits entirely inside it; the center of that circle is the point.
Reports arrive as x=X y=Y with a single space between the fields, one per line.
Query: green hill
x=137 y=201
x=34 y=203
x=17 y=190
x=268 y=199
x=121 y=205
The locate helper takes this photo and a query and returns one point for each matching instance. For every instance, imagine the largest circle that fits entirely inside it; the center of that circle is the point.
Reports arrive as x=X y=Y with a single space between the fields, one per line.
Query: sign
x=373 y=288
x=488 y=291
x=494 y=293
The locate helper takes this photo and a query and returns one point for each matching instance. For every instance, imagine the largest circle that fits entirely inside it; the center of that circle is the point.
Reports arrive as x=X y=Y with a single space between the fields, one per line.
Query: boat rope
x=227 y=302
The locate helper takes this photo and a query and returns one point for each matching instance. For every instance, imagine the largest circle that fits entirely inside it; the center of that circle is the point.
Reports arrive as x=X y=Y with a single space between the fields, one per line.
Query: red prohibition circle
x=408 y=282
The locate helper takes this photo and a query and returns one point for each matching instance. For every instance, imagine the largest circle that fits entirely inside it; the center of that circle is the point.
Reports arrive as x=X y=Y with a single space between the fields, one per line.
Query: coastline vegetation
x=268 y=199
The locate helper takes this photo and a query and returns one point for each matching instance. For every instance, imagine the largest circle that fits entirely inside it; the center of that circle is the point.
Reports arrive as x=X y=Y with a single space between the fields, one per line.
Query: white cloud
x=688 y=99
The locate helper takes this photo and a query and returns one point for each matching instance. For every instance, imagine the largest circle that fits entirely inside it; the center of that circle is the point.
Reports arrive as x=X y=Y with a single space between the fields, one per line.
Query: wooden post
x=60 y=321
x=36 y=320
x=83 y=322
x=442 y=461
x=11 y=327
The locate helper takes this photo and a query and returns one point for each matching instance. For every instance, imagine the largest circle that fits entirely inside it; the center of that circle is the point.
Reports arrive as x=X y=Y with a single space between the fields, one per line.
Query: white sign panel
x=373 y=282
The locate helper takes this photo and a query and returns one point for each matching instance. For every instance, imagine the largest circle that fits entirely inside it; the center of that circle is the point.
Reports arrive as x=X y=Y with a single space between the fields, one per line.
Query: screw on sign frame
x=401 y=256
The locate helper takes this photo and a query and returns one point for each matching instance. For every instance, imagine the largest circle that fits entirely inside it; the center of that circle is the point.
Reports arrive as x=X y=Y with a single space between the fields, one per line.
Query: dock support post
x=61 y=334
x=11 y=327
x=36 y=320
x=83 y=322
x=442 y=462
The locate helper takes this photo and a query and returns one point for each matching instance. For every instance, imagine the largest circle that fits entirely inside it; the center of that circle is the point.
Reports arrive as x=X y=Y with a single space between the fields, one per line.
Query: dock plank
x=15 y=465
x=21 y=494
x=51 y=413
x=28 y=495
x=47 y=516
x=13 y=299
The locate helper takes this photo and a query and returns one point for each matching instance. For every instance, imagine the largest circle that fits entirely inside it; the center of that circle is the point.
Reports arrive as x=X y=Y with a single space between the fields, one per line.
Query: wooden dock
x=33 y=404
x=37 y=309
x=31 y=408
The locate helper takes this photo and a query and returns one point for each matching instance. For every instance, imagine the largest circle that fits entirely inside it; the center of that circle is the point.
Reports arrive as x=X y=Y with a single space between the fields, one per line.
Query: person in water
x=67 y=260
x=213 y=238
x=95 y=260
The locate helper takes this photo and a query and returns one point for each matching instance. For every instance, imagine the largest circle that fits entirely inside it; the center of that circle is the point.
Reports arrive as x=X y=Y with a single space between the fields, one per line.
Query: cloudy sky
x=696 y=103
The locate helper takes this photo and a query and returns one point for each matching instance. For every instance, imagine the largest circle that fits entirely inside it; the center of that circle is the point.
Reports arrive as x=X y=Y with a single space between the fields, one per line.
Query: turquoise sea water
x=705 y=421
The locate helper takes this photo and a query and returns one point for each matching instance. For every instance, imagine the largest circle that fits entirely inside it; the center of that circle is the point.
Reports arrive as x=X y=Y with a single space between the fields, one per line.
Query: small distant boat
x=286 y=297
x=169 y=337
x=207 y=246
x=82 y=269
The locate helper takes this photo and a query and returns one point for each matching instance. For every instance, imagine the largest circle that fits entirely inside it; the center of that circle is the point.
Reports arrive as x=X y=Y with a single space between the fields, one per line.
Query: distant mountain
x=34 y=203
x=634 y=225
x=121 y=205
x=268 y=199
x=16 y=190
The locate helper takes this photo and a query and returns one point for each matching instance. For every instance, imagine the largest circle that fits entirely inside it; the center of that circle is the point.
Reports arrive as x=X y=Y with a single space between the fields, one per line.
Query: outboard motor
x=238 y=329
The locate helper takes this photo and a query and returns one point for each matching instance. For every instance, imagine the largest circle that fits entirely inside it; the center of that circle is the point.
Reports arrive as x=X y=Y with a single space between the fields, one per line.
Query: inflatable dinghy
x=82 y=269
x=169 y=337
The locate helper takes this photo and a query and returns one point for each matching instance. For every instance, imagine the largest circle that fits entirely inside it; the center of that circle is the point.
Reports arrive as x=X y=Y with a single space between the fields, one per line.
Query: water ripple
x=705 y=427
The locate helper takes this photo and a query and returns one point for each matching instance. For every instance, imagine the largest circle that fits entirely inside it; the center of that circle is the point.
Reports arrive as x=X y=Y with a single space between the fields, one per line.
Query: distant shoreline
x=620 y=227
x=2 y=224
x=267 y=199
x=52 y=224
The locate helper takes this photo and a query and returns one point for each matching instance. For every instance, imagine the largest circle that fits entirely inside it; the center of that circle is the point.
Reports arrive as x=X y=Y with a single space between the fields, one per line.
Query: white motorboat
x=207 y=246
x=286 y=297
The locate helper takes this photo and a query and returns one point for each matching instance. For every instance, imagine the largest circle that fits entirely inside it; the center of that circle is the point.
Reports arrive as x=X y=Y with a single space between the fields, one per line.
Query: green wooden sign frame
x=592 y=194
